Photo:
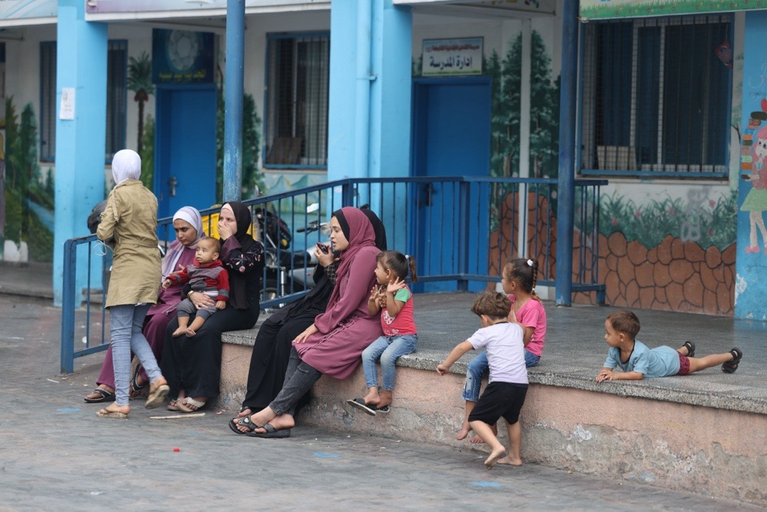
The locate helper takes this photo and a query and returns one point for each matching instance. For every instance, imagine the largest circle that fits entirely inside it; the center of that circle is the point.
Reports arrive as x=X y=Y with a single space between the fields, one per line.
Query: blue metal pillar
x=567 y=130
x=80 y=142
x=233 y=96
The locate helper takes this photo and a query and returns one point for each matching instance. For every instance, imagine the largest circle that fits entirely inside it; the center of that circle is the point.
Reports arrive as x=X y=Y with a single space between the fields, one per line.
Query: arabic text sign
x=443 y=57
x=604 y=9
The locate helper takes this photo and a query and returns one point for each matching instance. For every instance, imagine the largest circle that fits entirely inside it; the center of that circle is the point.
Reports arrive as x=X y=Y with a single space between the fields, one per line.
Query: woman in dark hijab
x=271 y=350
x=192 y=365
x=333 y=343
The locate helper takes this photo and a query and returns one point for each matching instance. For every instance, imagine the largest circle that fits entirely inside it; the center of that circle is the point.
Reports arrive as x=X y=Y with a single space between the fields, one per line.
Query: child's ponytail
x=525 y=273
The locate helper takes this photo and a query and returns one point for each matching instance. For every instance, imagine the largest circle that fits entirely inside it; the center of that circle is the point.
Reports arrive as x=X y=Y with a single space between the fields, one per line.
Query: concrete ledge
x=695 y=448
x=687 y=390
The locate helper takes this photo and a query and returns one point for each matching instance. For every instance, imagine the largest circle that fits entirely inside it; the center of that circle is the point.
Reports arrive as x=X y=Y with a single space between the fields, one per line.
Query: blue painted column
x=233 y=91
x=751 y=256
x=81 y=65
x=567 y=129
x=370 y=89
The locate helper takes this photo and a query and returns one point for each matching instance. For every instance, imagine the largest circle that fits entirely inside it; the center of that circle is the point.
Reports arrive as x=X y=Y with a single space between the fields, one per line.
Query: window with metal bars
x=656 y=98
x=117 y=99
x=296 y=111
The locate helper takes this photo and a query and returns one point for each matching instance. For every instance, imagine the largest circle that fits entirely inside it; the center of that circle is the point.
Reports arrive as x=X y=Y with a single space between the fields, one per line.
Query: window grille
x=117 y=92
x=656 y=99
x=297 y=101
x=117 y=97
x=47 y=101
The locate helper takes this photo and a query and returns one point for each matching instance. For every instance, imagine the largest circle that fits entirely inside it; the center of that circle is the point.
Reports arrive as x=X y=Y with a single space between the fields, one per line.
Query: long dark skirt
x=194 y=364
x=271 y=352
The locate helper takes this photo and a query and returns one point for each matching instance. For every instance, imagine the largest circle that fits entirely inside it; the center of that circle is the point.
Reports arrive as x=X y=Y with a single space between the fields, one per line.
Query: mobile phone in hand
x=322 y=247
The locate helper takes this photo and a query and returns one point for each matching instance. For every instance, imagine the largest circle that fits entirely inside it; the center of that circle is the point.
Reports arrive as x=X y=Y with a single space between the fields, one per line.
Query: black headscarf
x=237 y=280
x=378 y=226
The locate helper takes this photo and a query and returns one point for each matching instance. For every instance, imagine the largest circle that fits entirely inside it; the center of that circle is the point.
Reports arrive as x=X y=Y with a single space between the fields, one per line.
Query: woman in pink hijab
x=333 y=344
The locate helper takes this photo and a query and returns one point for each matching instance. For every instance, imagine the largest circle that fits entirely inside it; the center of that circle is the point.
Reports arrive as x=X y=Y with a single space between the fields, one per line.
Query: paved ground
x=56 y=454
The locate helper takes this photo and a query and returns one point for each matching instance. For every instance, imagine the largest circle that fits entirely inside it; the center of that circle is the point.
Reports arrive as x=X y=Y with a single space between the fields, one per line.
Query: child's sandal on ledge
x=731 y=366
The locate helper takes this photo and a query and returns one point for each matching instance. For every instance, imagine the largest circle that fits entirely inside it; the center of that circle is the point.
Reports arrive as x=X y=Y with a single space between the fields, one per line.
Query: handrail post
x=347 y=193
x=463 y=237
x=68 y=309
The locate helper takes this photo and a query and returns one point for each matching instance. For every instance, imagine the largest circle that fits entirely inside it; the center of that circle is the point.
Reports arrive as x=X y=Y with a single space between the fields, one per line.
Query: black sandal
x=105 y=396
x=690 y=346
x=245 y=423
x=731 y=366
x=135 y=388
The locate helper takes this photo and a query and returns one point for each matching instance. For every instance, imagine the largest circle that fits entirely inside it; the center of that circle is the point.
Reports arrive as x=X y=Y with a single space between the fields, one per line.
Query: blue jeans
x=389 y=350
x=478 y=368
x=126 y=323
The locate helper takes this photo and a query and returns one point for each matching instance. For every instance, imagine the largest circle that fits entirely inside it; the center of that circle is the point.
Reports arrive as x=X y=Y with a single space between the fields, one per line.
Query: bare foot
x=179 y=332
x=190 y=333
x=477 y=440
x=463 y=433
x=244 y=412
x=509 y=461
x=114 y=411
x=494 y=456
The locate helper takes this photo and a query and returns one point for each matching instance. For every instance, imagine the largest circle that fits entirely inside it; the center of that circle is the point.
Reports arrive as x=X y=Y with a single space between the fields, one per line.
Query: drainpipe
x=362 y=100
x=233 y=91
x=567 y=128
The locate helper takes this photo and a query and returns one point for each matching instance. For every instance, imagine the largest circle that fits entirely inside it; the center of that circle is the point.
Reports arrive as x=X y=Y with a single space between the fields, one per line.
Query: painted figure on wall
x=756 y=200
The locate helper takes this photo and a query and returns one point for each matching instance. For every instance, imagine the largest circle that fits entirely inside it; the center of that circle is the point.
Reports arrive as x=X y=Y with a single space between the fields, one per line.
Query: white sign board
x=445 y=57
x=67 y=107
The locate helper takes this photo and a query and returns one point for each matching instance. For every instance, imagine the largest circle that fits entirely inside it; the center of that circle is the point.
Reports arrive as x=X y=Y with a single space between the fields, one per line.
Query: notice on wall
x=67 y=106
x=446 y=57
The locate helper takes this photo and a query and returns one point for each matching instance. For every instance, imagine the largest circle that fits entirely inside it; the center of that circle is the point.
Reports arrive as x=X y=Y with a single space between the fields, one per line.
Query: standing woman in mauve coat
x=129 y=226
x=333 y=344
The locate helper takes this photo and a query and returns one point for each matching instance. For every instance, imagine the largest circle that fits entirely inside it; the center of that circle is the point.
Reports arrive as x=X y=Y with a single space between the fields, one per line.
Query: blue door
x=185 y=148
x=451 y=137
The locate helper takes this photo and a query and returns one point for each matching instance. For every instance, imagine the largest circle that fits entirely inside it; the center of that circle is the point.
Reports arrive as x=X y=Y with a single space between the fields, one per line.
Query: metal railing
x=460 y=230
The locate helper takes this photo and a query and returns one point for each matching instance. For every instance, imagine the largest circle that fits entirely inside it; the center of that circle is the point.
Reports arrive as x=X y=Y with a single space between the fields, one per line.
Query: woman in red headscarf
x=332 y=345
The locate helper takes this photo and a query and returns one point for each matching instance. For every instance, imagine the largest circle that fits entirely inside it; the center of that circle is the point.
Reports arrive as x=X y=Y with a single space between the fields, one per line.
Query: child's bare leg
x=386 y=398
x=515 y=444
x=372 y=397
x=196 y=324
x=183 y=322
x=466 y=428
x=479 y=440
x=701 y=363
x=484 y=431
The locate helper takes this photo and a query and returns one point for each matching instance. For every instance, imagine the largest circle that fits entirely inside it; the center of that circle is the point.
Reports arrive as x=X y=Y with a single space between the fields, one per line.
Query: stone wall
x=672 y=276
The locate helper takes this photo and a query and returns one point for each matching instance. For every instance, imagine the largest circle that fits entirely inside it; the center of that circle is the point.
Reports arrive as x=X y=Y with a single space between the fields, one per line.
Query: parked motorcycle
x=287 y=271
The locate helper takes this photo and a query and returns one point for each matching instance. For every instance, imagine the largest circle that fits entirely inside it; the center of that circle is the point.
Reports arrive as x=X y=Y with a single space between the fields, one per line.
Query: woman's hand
x=226 y=230
x=324 y=258
x=200 y=300
x=301 y=338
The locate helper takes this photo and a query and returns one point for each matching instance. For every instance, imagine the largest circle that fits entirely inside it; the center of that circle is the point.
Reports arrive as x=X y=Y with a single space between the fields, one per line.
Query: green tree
x=147 y=153
x=544 y=114
x=251 y=145
x=140 y=82
x=511 y=106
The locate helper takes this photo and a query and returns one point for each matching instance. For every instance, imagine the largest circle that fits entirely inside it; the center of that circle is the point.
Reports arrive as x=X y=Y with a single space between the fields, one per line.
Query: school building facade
x=671 y=108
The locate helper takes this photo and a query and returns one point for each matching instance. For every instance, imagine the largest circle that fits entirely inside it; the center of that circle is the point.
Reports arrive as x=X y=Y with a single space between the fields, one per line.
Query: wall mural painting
x=754 y=159
x=750 y=289
x=670 y=255
x=26 y=233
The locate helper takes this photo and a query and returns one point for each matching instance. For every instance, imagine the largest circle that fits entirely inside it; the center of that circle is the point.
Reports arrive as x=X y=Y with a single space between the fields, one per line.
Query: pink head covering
x=361 y=234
